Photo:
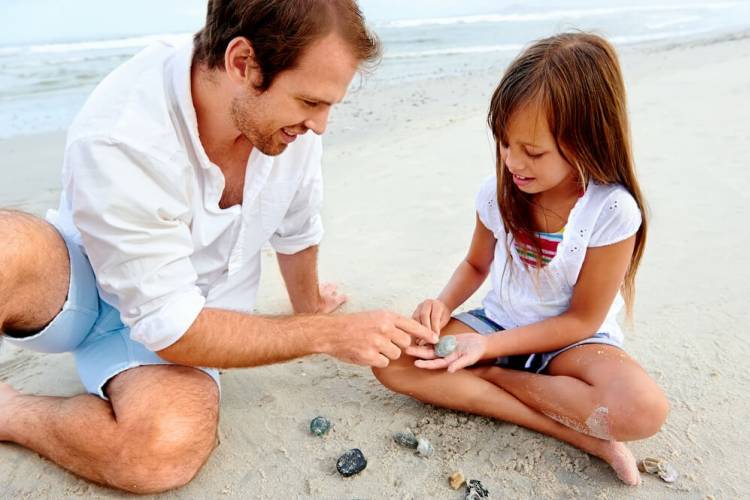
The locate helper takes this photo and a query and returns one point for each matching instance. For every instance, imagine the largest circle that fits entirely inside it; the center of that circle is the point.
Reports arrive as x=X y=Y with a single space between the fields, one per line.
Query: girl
x=560 y=232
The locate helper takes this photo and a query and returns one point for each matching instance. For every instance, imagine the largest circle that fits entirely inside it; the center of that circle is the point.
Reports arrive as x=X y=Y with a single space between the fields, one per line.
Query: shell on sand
x=659 y=467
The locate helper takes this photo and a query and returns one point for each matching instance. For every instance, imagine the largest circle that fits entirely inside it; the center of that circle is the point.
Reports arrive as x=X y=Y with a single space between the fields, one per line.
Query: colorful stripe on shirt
x=548 y=242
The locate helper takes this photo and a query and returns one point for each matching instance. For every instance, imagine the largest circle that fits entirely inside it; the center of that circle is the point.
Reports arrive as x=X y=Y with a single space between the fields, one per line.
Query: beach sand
x=402 y=166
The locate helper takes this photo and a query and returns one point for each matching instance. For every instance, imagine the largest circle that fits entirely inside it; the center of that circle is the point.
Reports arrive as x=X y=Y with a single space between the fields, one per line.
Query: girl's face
x=531 y=154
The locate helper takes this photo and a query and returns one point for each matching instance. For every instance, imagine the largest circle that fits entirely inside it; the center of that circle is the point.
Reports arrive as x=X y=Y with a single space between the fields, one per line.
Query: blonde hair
x=576 y=80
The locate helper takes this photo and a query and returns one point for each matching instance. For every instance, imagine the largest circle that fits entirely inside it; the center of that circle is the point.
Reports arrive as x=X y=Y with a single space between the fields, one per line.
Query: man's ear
x=240 y=63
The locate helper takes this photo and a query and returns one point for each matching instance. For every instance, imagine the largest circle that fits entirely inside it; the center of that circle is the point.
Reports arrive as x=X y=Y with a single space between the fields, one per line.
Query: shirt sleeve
x=619 y=219
x=486 y=206
x=133 y=213
x=302 y=226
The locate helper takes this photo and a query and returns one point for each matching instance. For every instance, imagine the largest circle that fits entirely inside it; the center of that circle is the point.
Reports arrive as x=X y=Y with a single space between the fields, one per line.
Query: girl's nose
x=510 y=160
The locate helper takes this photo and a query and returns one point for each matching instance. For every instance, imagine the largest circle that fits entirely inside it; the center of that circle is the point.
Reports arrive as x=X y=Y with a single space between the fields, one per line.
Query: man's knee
x=167 y=420
x=164 y=451
x=34 y=271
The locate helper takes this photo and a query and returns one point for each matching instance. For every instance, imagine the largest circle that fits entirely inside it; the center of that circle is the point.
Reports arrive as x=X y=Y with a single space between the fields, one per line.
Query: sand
x=402 y=167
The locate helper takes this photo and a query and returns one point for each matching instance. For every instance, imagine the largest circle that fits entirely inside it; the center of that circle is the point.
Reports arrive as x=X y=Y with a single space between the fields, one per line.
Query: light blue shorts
x=92 y=330
x=478 y=321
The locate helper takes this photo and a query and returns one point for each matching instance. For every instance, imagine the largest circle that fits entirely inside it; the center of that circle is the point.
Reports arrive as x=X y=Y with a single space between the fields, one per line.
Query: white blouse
x=142 y=199
x=604 y=215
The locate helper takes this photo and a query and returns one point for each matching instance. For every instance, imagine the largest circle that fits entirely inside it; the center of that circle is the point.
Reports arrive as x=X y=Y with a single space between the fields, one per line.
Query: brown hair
x=576 y=80
x=280 y=30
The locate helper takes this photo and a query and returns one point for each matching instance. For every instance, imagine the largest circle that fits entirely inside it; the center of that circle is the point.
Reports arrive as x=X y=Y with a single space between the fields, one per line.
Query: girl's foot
x=619 y=457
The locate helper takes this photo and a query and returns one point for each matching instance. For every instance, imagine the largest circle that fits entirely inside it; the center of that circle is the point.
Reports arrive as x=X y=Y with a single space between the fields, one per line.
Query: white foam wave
x=566 y=14
x=120 y=43
x=453 y=51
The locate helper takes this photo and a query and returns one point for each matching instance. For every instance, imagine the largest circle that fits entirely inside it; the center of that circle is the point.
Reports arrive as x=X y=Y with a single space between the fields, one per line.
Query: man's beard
x=265 y=142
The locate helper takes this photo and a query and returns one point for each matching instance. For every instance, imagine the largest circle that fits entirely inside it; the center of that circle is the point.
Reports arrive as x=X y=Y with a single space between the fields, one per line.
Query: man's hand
x=330 y=299
x=374 y=338
x=470 y=348
x=433 y=314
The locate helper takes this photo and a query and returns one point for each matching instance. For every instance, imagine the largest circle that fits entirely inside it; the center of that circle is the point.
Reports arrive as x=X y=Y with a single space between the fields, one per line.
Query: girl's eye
x=534 y=156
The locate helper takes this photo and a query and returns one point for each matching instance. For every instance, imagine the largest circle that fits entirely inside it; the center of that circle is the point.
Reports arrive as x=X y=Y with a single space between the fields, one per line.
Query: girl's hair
x=576 y=81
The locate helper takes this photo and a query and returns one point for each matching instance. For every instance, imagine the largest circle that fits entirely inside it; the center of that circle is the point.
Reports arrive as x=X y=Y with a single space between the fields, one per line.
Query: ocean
x=53 y=53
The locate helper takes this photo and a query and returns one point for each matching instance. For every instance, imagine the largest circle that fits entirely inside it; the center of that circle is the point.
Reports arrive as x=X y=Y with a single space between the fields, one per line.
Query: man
x=180 y=167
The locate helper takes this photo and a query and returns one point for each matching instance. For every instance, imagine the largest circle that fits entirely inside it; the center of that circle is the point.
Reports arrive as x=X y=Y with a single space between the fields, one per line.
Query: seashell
x=407 y=439
x=446 y=346
x=649 y=465
x=667 y=472
x=424 y=448
x=476 y=491
x=352 y=462
x=320 y=426
x=659 y=467
x=456 y=480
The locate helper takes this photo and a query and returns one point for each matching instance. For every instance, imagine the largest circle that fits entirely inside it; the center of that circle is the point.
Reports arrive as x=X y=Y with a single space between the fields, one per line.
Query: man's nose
x=319 y=121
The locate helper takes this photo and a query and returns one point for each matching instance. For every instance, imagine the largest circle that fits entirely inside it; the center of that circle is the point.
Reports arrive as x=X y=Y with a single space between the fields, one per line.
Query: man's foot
x=7 y=395
x=619 y=457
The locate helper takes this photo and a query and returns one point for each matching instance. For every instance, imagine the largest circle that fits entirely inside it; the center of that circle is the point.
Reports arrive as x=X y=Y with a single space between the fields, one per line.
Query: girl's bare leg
x=467 y=391
x=596 y=389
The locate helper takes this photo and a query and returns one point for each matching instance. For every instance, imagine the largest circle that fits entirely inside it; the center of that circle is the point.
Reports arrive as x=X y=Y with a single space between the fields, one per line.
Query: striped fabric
x=528 y=252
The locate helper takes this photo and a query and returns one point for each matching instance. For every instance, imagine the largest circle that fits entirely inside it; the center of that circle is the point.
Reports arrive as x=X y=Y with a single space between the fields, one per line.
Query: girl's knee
x=637 y=414
x=397 y=374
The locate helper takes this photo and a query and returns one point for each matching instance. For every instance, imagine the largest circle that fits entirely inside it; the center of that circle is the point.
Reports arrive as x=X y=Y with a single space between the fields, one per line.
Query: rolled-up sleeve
x=302 y=226
x=133 y=212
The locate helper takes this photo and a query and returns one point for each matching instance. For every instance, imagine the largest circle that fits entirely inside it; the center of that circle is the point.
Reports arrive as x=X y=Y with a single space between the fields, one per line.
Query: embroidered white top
x=142 y=198
x=604 y=215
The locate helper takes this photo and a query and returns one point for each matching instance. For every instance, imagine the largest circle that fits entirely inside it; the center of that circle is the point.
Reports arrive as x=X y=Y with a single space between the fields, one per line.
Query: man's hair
x=280 y=30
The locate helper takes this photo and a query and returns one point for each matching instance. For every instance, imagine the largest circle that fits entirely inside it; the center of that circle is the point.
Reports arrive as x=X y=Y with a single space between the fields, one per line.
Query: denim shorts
x=92 y=330
x=478 y=321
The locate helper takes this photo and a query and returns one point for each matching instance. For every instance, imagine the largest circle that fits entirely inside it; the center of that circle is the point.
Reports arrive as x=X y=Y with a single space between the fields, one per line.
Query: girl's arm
x=466 y=279
x=473 y=270
x=600 y=279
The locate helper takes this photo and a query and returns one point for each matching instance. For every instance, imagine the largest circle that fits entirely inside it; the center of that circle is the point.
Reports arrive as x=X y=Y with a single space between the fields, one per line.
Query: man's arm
x=227 y=339
x=300 y=272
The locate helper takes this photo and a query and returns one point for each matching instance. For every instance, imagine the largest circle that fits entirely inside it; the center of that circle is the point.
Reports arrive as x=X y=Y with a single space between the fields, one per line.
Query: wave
x=552 y=15
x=482 y=49
x=115 y=44
x=454 y=51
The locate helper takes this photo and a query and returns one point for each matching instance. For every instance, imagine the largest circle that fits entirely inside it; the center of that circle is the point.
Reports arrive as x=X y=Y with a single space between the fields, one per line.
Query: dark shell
x=352 y=462
x=476 y=491
x=407 y=439
x=320 y=426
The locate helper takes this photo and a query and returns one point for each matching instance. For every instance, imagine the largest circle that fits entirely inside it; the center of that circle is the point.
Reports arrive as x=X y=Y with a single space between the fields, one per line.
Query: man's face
x=299 y=99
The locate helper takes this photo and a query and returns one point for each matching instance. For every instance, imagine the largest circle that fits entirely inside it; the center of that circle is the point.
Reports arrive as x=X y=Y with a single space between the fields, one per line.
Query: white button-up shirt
x=142 y=199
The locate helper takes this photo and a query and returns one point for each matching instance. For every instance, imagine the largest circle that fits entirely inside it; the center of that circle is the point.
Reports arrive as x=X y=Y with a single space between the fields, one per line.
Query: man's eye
x=310 y=104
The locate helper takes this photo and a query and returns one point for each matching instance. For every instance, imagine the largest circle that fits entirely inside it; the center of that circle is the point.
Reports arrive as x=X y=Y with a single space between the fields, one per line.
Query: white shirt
x=142 y=198
x=604 y=215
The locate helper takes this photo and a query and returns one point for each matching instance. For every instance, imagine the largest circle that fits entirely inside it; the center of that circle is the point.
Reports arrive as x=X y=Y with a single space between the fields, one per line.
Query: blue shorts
x=92 y=330
x=478 y=321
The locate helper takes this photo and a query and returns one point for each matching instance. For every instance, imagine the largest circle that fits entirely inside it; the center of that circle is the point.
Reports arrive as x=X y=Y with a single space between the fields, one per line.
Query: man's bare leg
x=34 y=272
x=466 y=390
x=160 y=424
x=155 y=435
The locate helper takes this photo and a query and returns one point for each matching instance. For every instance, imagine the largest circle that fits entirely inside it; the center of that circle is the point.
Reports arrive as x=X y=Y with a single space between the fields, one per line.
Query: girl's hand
x=433 y=314
x=470 y=348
